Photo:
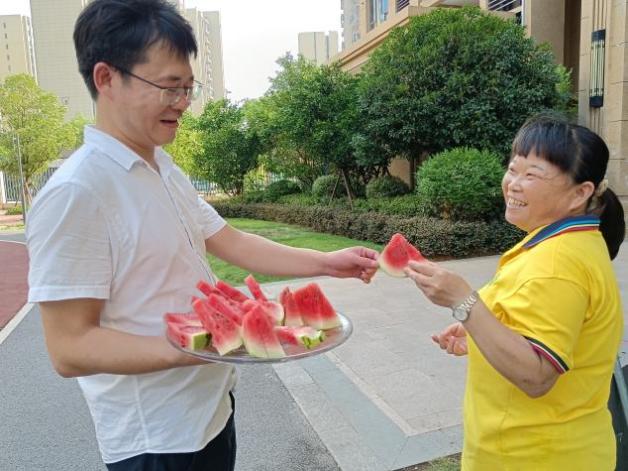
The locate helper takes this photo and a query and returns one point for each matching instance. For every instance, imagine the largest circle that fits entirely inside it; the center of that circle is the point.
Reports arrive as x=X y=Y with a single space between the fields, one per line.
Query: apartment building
x=57 y=67
x=590 y=37
x=208 y=65
x=17 y=54
x=318 y=47
x=349 y=21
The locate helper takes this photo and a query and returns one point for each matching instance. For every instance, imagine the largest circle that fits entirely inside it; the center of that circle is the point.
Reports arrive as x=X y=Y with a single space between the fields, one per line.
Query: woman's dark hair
x=119 y=32
x=583 y=155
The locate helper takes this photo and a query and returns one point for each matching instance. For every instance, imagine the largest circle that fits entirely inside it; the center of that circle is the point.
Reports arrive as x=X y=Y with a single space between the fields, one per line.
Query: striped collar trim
x=572 y=224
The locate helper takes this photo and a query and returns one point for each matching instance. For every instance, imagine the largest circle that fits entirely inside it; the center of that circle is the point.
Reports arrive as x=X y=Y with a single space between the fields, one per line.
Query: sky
x=255 y=33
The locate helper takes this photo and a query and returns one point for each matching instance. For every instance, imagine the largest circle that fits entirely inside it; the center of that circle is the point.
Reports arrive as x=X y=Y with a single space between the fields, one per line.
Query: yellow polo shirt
x=562 y=295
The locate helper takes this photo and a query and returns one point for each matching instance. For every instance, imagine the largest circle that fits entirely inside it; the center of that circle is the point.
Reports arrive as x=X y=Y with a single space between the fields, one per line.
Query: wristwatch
x=461 y=311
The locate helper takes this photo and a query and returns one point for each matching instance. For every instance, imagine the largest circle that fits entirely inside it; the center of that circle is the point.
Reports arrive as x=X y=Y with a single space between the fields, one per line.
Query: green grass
x=294 y=236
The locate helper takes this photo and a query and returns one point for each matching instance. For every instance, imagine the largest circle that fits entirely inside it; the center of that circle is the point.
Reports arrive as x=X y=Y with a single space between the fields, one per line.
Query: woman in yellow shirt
x=543 y=335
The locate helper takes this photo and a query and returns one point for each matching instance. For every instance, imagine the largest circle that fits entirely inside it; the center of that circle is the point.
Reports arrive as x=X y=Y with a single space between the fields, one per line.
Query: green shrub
x=461 y=184
x=434 y=237
x=299 y=199
x=386 y=186
x=407 y=205
x=324 y=185
x=14 y=210
x=281 y=188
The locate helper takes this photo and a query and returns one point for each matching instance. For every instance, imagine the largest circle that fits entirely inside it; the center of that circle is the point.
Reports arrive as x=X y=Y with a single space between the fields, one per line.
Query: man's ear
x=103 y=76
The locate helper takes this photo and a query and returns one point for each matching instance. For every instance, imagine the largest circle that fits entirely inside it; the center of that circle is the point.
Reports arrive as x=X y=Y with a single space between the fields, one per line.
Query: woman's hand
x=441 y=286
x=453 y=339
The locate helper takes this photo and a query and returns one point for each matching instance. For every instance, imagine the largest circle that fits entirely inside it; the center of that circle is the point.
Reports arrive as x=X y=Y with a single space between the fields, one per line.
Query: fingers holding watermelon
x=354 y=262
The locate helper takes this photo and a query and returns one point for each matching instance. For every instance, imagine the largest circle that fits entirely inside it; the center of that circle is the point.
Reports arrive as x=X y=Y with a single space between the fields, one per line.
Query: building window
x=401 y=4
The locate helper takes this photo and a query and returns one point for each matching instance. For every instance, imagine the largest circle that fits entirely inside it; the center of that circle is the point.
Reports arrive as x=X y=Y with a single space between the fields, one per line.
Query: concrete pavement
x=384 y=400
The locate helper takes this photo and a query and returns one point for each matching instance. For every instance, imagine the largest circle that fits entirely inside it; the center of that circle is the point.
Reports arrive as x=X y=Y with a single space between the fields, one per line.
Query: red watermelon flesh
x=186 y=330
x=396 y=255
x=193 y=337
x=255 y=288
x=272 y=309
x=305 y=335
x=260 y=340
x=231 y=292
x=205 y=288
x=225 y=334
x=292 y=316
x=315 y=308
x=222 y=305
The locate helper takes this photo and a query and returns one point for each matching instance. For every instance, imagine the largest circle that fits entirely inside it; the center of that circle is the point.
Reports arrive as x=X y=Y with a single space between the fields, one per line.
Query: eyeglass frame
x=190 y=93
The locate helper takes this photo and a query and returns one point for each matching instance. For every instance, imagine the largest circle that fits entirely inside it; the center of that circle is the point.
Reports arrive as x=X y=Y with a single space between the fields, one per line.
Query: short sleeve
x=68 y=245
x=211 y=221
x=549 y=313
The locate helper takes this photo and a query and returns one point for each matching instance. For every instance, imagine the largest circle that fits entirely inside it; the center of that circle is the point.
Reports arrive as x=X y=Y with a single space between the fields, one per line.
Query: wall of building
x=16 y=46
x=57 y=67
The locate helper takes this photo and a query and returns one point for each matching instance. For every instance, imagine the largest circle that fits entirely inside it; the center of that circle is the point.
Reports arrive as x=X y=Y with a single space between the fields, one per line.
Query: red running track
x=13 y=279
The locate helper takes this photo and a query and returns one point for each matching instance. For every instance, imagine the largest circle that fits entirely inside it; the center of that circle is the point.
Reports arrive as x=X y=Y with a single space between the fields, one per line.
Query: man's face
x=146 y=118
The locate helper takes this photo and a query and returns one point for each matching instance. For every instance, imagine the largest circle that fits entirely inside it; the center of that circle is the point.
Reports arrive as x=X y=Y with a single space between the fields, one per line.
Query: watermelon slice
x=186 y=330
x=225 y=334
x=273 y=310
x=222 y=305
x=259 y=337
x=396 y=255
x=305 y=335
x=255 y=288
x=205 y=288
x=231 y=292
x=315 y=308
x=292 y=316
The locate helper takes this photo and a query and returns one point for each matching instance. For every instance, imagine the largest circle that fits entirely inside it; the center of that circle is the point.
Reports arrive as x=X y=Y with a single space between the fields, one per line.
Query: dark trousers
x=218 y=455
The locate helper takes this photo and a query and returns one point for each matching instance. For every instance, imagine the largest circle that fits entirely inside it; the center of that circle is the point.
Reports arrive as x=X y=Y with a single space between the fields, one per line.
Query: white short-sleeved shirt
x=108 y=226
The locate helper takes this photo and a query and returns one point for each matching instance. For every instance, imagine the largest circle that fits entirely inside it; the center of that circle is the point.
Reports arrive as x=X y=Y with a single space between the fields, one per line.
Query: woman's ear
x=583 y=192
x=103 y=76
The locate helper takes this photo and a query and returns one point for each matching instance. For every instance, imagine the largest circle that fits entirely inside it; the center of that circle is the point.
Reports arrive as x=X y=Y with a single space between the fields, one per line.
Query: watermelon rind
x=260 y=340
x=394 y=257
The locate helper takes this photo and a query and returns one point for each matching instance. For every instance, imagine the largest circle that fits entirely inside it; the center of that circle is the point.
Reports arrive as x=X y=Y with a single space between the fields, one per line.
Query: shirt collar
x=585 y=222
x=121 y=154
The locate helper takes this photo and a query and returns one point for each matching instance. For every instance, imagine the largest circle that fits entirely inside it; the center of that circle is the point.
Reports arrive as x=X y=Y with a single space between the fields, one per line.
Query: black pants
x=218 y=455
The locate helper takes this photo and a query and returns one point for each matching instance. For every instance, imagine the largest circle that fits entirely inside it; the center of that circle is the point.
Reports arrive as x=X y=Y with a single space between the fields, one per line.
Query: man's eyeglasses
x=170 y=96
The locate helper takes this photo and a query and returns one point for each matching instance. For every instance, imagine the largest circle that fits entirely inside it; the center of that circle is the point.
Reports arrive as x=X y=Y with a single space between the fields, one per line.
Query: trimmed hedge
x=434 y=237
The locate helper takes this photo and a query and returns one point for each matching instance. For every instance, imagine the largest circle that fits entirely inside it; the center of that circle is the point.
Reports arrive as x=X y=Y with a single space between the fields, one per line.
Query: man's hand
x=453 y=339
x=354 y=262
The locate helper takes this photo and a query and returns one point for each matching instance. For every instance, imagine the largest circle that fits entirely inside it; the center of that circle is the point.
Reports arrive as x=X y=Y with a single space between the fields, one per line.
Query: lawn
x=294 y=236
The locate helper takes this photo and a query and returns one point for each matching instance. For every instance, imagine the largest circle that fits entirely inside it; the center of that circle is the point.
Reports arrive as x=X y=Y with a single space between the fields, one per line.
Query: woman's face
x=538 y=193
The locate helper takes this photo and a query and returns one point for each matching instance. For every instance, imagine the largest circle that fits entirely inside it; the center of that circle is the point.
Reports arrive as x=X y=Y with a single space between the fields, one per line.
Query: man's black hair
x=119 y=32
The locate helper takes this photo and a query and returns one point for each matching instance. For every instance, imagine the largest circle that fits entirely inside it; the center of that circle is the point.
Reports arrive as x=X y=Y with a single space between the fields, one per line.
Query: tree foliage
x=187 y=144
x=228 y=148
x=37 y=118
x=453 y=77
x=312 y=111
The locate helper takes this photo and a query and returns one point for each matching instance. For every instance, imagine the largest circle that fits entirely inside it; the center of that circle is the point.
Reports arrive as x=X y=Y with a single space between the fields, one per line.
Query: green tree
x=228 y=148
x=313 y=112
x=37 y=118
x=186 y=147
x=453 y=77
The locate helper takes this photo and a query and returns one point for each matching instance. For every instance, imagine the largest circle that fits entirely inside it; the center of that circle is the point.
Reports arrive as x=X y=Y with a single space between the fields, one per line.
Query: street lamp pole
x=23 y=192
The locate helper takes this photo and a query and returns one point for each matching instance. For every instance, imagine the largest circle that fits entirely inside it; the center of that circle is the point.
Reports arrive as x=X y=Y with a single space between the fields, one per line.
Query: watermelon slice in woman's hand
x=397 y=254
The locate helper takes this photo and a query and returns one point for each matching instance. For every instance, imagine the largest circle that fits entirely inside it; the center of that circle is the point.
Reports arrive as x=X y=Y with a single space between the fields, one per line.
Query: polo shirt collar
x=121 y=154
x=585 y=222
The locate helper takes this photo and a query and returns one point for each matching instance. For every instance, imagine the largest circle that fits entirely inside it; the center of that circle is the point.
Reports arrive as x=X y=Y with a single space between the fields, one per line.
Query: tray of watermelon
x=227 y=326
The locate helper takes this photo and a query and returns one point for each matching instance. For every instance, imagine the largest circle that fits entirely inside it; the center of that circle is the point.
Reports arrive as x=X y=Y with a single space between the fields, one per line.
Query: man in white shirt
x=118 y=237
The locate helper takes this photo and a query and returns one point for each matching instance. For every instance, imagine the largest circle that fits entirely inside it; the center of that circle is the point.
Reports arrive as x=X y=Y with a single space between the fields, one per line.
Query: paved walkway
x=384 y=400
x=13 y=279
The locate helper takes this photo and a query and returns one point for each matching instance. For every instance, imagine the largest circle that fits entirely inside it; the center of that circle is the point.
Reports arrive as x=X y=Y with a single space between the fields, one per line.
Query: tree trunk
x=347 y=186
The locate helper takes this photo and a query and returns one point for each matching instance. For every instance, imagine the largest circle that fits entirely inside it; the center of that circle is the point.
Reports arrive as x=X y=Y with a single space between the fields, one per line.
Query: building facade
x=318 y=47
x=17 y=53
x=207 y=66
x=57 y=67
x=589 y=37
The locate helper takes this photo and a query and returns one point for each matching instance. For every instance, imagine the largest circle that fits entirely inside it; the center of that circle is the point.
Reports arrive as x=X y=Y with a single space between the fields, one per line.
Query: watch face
x=460 y=314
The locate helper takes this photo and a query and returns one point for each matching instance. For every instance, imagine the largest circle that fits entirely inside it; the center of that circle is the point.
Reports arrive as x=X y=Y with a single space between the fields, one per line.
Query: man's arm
x=79 y=346
x=260 y=255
